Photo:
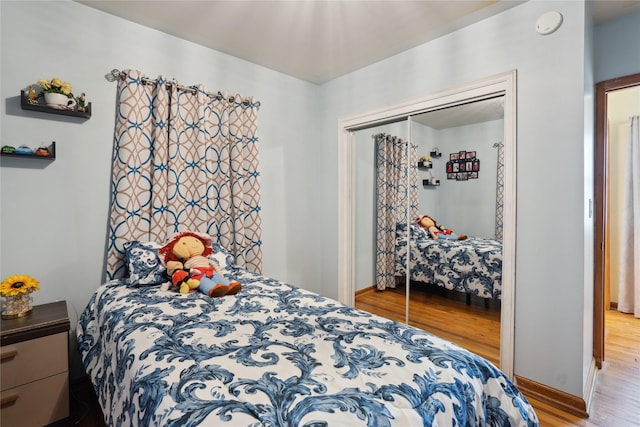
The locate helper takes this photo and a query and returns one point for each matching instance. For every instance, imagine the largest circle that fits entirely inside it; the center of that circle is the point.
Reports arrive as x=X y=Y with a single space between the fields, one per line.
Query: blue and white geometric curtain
x=183 y=160
x=396 y=189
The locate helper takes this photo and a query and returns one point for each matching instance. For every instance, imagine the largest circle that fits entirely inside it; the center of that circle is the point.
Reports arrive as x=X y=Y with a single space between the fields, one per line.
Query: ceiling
x=312 y=40
x=464 y=114
x=318 y=40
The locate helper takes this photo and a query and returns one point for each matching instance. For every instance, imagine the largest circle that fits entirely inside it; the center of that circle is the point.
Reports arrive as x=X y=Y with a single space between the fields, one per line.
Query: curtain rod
x=117 y=74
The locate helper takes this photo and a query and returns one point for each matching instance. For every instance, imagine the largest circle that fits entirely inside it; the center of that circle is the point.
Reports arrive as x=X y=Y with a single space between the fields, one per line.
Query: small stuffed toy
x=185 y=256
x=182 y=281
x=437 y=231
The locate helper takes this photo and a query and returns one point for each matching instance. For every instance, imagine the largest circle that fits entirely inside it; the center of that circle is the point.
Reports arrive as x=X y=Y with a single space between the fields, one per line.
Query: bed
x=277 y=355
x=472 y=266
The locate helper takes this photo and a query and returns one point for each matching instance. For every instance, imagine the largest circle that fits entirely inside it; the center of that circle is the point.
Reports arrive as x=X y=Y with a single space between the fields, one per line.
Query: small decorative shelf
x=427 y=183
x=52 y=150
x=435 y=154
x=26 y=105
x=425 y=165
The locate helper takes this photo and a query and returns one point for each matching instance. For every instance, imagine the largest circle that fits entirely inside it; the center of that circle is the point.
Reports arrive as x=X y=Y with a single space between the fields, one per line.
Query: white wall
x=550 y=208
x=54 y=214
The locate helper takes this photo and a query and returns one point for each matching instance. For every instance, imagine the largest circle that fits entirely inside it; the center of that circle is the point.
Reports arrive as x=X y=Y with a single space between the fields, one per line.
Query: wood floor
x=616 y=398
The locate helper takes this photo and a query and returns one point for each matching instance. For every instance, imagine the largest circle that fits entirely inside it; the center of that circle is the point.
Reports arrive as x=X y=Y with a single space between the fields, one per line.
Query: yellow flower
x=44 y=84
x=66 y=88
x=18 y=284
x=55 y=85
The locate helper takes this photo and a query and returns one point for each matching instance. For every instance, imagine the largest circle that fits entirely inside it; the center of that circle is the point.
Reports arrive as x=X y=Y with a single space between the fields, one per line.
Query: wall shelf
x=425 y=165
x=52 y=150
x=26 y=105
x=435 y=154
x=427 y=183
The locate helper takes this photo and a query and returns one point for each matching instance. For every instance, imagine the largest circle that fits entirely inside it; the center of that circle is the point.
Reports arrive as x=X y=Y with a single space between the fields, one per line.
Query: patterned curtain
x=183 y=160
x=500 y=190
x=395 y=183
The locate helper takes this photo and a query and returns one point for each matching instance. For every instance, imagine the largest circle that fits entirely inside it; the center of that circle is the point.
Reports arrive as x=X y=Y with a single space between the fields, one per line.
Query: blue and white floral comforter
x=472 y=266
x=276 y=355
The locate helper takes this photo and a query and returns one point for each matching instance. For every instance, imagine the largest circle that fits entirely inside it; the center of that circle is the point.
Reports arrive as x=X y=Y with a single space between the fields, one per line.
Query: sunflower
x=18 y=284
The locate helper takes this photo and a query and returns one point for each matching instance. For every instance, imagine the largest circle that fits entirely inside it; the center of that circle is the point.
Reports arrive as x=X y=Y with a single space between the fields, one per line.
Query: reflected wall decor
x=463 y=165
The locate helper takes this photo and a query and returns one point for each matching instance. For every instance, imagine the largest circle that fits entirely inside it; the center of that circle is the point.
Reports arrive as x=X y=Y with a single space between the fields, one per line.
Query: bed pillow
x=145 y=267
x=418 y=232
x=222 y=256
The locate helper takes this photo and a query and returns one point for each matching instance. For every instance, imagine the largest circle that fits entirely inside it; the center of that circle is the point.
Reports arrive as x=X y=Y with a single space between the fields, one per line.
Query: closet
x=477 y=120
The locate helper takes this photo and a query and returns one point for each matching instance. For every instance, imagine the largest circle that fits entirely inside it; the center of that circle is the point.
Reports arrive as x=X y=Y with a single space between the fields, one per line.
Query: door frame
x=504 y=83
x=601 y=201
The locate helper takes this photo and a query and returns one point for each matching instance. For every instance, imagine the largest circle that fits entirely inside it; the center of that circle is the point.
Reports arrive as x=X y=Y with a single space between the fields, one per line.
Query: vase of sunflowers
x=16 y=291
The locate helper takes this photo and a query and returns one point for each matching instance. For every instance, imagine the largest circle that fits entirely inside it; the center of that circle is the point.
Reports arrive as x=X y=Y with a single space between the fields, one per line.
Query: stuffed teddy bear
x=185 y=256
x=437 y=231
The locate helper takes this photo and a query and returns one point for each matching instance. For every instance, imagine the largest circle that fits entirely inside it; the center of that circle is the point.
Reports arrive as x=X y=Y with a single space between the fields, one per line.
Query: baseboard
x=365 y=290
x=554 y=397
x=591 y=384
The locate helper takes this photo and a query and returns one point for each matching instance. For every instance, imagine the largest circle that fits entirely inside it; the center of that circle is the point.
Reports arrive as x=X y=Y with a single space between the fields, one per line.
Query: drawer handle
x=8 y=401
x=8 y=355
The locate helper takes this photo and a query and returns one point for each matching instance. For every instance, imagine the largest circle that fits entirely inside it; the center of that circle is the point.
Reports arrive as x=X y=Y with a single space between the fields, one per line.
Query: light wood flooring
x=616 y=398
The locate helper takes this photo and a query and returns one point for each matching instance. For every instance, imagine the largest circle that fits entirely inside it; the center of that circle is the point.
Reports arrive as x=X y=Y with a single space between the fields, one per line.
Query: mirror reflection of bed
x=454 y=286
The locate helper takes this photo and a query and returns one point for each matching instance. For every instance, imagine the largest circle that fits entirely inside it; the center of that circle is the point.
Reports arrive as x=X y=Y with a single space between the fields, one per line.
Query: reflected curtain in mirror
x=394 y=195
x=499 y=190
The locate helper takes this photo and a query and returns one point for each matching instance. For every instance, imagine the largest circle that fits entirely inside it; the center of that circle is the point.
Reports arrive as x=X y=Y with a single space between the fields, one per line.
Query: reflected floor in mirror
x=444 y=313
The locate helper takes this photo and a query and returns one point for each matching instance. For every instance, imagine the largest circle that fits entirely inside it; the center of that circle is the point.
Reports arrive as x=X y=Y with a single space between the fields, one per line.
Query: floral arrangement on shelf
x=55 y=85
x=18 y=284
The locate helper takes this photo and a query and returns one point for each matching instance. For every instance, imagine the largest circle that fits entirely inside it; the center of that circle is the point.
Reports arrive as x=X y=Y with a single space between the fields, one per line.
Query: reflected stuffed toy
x=185 y=256
x=437 y=231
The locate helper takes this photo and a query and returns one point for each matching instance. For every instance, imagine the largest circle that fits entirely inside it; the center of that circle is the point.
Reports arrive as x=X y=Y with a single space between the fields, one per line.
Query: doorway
x=604 y=234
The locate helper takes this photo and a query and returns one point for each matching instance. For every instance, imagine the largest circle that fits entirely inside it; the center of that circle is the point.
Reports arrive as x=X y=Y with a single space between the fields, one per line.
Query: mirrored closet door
x=460 y=155
x=455 y=266
x=444 y=167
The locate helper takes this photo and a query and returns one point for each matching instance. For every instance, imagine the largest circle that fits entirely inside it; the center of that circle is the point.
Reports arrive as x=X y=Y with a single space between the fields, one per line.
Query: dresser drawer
x=36 y=404
x=33 y=360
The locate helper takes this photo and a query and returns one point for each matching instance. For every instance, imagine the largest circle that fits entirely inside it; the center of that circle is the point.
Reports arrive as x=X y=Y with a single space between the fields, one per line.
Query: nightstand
x=35 y=367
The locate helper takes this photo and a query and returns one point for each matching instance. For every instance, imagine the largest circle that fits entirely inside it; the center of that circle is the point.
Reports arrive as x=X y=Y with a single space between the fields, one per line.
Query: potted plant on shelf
x=57 y=94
